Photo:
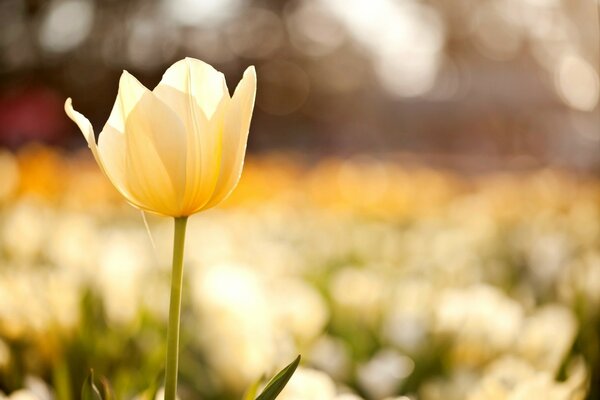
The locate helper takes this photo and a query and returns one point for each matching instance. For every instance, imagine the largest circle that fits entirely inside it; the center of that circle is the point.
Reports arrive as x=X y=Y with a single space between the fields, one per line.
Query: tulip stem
x=175 y=310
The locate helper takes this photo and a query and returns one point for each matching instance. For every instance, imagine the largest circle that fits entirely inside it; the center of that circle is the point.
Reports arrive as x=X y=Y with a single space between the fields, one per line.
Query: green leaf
x=278 y=382
x=89 y=391
x=251 y=391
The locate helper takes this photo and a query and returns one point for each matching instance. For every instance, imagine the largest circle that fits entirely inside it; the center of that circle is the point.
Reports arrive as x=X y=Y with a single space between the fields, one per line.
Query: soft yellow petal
x=176 y=96
x=202 y=182
x=85 y=126
x=168 y=143
x=155 y=156
x=235 y=137
x=130 y=93
x=116 y=119
x=111 y=151
x=105 y=159
x=198 y=95
x=197 y=79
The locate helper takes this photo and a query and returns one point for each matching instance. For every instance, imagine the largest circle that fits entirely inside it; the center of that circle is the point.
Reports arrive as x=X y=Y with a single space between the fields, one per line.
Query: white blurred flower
x=309 y=384
x=454 y=387
x=209 y=240
x=35 y=389
x=546 y=255
x=73 y=243
x=38 y=387
x=120 y=276
x=22 y=394
x=24 y=229
x=481 y=319
x=33 y=302
x=513 y=379
x=330 y=355
x=298 y=308
x=358 y=292
x=582 y=279
x=235 y=313
x=543 y=350
x=383 y=374
x=502 y=377
x=410 y=313
x=62 y=294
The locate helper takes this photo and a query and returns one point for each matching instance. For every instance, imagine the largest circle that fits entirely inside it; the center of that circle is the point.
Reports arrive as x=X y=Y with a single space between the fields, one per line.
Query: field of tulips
x=392 y=281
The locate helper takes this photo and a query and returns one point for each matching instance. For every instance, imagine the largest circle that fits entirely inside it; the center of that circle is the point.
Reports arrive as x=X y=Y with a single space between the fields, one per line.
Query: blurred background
x=474 y=84
x=419 y=215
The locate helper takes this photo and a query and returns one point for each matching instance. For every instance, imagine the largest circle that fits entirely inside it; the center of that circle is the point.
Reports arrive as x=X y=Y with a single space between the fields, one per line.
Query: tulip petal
x=112 y=150
x=155 y=146
x=85 y=126
x=107 y=166
x=151 y=117
x=203 y=184
x=111 y=141
x=198 y=95
x=130 y=94
x=235 y=137
x=197 y=79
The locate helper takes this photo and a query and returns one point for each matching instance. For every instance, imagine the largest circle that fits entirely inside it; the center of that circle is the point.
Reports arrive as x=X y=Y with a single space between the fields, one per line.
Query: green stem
x=175 y=310
x=61 y=379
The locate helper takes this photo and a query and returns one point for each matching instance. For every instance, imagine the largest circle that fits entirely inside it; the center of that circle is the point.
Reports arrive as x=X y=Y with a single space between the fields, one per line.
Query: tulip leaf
x=278 y=382
x=89 y=391
x=250 y=393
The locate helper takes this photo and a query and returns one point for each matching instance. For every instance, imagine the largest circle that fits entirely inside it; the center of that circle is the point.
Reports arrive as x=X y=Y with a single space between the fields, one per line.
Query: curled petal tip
x=250 y=71
x=128 y=77
x=125 y=76
x=71 y=113
x=68 y=106
x=248 y=80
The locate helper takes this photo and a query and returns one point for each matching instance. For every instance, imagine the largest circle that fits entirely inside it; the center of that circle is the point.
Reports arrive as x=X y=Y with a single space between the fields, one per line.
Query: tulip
x=174 y=151
x=178 y=149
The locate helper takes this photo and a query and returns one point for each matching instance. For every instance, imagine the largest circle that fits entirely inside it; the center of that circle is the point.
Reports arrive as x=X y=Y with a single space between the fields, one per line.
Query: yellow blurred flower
x=178 y=149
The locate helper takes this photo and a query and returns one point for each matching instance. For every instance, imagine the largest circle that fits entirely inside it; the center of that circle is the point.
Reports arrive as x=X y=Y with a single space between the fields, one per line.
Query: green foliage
x=252 y=390
x=89 y=391
x=278 y=382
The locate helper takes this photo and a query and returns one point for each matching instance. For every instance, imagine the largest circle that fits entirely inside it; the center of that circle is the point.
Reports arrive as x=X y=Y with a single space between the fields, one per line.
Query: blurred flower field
x=391 y=280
